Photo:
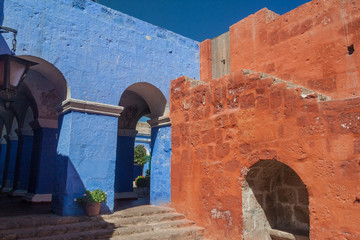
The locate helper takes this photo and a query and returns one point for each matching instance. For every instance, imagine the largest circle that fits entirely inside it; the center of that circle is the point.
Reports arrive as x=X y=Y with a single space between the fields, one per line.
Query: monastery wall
x=315 y=45
x=230 y=127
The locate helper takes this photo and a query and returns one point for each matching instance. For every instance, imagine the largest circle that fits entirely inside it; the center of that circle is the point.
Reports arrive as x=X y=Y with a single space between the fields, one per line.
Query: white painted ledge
x=90 y=107
x=160 y=122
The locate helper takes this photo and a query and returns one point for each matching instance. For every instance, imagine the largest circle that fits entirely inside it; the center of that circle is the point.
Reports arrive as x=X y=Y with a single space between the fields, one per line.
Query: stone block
x=284 y=216
x=286 y=195
x=303 y=196
x=302 y=214
x=223 y=150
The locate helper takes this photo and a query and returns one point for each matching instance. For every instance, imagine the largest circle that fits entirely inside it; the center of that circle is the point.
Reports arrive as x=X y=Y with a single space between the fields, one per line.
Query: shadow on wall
x=4 y=48
x=274 y=199
x=68 y=187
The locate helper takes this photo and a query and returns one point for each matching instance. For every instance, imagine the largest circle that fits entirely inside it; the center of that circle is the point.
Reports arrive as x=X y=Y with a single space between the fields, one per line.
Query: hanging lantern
x=12 y=69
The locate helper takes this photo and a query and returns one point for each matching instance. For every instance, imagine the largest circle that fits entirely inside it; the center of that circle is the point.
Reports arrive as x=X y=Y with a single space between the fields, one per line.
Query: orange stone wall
x=308 y=46
x=222 y=128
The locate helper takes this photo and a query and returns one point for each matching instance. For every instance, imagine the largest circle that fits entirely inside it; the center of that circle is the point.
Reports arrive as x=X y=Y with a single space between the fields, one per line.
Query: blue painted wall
x=4 y=48
x=43 y=160
x=11 y=163
x=85 y=160
x=3 y=148
x=160 y=181
x=124 y=176
x=100 y=51
x=24 y=162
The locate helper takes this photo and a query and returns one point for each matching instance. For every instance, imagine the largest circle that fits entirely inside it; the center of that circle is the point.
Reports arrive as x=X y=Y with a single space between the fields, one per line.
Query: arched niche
x=275 y=202
x=47 y=87
x=141 y=99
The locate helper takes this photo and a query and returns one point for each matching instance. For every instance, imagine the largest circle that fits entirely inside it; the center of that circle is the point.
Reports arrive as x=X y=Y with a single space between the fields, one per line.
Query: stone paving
x=144 y=222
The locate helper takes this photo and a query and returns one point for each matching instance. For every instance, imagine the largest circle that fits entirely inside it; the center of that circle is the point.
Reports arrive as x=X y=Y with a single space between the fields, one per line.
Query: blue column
x=10 y=163
x=43 y=159
x=86 y=156
x=124 y=172
x=3 y=148
x=160 y=179
x=22 y=171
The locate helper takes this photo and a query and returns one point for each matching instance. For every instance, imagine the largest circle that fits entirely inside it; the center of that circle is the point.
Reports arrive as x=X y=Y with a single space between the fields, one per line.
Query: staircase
x=139 y=223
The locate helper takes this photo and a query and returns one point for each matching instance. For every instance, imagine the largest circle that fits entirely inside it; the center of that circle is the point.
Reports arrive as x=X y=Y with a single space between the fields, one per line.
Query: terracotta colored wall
x=222 y=128
x=307 y=46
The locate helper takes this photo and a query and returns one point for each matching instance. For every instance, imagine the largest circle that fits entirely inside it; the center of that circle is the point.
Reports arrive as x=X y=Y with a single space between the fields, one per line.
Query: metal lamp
x=12 y=69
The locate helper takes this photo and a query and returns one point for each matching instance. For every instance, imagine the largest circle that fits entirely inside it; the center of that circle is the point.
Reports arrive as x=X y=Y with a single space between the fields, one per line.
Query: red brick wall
x=307 y=46
x=222 y=128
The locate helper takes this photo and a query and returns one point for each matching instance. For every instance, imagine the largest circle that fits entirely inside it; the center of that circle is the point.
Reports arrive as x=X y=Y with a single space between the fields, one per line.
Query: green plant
x=140 y=157
x=147 y=173
x=95 y=196
x=142 y=181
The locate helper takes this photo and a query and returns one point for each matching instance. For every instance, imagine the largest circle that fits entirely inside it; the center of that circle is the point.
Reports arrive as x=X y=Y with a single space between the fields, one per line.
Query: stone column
x=124 y=171
x=10 y=162
x=86 y=154
x=3 y=150
x=160 y=178
x=42 y=169
x=23 y=162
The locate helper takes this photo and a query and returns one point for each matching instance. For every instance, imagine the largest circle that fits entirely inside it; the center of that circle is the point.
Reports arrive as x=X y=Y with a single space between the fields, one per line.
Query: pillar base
x=38 y=198
x=6 y=190
x=19 y=193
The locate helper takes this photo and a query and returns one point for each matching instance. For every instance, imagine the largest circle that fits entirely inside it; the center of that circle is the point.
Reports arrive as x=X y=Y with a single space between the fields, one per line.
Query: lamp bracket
x=14 y=31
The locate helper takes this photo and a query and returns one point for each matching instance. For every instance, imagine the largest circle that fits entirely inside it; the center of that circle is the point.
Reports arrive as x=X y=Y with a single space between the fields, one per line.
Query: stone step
x=140 y=221
x=91 y=224
x=124 y=231
x=184 y=233
x=144 y=210
x=134 y=221
x=49 y=219
x=85 y=235
x=305 y=92
x=38 y=220
x=53 y=230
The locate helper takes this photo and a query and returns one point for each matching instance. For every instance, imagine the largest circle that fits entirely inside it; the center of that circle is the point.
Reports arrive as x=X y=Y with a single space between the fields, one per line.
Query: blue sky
x=197 y=19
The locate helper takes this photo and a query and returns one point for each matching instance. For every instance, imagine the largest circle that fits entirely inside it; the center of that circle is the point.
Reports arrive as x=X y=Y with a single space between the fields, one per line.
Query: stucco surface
x=308 y=46
x=85 y=160
x=100 y=51
x=222 y=128
x=160 y=178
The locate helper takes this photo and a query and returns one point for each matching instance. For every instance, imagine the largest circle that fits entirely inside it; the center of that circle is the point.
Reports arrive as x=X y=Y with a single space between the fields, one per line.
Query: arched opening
x=32 y=139
x=142 y=102
x=275 y=203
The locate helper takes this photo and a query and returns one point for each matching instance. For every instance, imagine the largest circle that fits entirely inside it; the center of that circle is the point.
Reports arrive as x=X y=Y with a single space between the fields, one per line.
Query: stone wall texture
x=309 y=121
x=222 y=128
x=315 y=37
x=99 y=51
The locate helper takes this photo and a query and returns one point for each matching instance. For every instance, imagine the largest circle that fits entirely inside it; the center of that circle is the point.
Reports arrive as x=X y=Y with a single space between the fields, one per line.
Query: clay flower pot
x=92 y=209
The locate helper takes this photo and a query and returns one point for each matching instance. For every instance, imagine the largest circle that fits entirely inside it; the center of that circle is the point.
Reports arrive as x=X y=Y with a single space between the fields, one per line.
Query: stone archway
x=139 y=100
x=34 y=138
x=275 y=203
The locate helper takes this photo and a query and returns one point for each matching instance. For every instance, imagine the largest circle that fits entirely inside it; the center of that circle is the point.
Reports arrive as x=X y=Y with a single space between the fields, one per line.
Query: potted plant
x=93 y=200
x=142 y=184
